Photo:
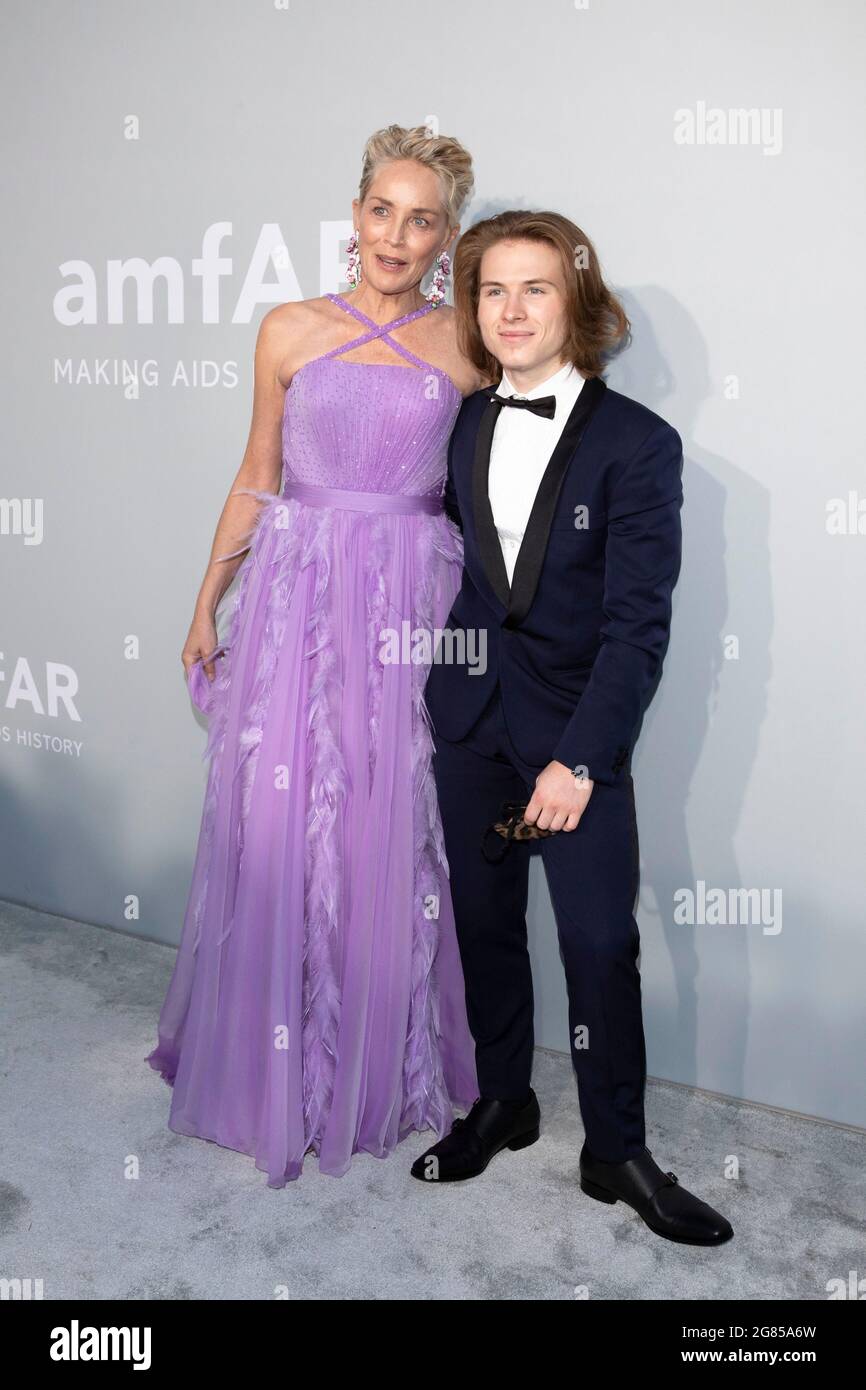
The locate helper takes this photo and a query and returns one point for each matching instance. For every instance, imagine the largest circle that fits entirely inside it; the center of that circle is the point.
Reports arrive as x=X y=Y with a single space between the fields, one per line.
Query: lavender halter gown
x=317 y=999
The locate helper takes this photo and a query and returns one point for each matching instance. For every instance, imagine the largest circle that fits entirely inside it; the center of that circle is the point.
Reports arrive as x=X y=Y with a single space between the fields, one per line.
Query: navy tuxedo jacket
x=578 y=638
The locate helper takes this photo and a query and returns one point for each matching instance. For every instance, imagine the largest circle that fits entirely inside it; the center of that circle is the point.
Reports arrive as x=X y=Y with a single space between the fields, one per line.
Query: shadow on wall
x=677 y=763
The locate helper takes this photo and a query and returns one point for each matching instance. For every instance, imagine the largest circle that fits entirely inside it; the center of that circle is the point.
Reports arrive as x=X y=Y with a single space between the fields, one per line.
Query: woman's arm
x=260 y=469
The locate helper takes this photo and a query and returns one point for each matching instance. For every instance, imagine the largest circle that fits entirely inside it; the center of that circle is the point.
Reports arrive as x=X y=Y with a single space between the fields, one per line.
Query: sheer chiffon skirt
x=317 y=1000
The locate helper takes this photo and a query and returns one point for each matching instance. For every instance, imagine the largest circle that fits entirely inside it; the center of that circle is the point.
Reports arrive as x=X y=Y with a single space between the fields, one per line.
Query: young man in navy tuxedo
x=568 y=495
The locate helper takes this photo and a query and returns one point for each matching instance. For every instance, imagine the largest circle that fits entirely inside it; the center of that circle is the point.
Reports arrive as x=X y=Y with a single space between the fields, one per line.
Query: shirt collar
x=545 y=388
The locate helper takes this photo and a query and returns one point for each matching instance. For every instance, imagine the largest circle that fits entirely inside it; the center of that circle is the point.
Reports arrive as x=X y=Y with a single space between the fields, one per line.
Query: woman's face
x=402 y=226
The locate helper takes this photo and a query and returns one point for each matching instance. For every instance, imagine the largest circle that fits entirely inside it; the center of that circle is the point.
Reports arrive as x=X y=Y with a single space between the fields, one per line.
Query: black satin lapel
x=530 y=557
x=489 y=547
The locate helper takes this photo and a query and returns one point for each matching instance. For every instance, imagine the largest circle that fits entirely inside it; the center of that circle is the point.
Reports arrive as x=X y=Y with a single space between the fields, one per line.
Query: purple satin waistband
x=396 y=502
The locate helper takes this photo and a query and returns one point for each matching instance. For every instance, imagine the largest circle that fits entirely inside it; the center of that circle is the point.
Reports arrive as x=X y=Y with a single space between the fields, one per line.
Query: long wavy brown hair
x=598 y=326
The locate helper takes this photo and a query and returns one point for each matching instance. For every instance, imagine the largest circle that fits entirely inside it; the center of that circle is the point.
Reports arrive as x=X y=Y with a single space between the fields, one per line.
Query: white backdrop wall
x=203 y=137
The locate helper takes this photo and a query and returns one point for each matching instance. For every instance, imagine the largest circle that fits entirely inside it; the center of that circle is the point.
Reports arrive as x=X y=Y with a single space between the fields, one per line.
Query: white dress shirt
x=520 y=452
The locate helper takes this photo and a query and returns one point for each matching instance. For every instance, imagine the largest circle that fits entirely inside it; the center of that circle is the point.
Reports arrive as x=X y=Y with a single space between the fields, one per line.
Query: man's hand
x=559 y=799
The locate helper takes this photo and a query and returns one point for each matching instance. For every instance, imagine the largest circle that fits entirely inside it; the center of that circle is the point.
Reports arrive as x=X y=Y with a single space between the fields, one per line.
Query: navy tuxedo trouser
x=592 y=877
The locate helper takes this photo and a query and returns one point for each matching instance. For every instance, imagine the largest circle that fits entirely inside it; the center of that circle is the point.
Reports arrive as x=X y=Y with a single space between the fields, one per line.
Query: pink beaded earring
x=436 y=293
x=353 y=261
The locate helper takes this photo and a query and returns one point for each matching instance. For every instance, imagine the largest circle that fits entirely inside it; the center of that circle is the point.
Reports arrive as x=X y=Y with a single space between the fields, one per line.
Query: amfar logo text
x=104 y=296
x=60 y=684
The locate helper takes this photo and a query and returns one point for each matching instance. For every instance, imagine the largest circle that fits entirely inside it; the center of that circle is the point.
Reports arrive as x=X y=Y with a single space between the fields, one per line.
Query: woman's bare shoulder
x=294 y=332
x=297 y=315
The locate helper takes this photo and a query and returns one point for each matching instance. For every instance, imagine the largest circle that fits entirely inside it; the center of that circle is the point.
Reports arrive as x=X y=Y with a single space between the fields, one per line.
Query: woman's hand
x=201 y=641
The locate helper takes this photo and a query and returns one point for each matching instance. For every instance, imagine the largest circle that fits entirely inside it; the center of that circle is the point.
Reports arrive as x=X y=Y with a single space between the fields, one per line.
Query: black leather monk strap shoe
x=668 y=1209
x=490 y=1126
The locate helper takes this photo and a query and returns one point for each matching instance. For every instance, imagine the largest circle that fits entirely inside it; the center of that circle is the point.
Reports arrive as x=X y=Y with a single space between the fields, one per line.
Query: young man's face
x=522 y=309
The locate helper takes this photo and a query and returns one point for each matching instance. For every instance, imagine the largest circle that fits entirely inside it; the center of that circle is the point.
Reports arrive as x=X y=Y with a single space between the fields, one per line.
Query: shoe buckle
x=673 y=1177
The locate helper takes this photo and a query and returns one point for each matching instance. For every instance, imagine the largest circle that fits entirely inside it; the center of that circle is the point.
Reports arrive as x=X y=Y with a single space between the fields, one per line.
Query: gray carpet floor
x=99 y=1199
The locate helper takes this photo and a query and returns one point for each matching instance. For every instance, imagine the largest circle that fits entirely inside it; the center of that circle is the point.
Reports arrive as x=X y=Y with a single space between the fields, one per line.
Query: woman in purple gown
x=317 y=1001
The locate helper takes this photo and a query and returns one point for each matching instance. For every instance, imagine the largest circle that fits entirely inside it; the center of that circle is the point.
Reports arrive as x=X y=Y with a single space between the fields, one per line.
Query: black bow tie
x=542 y=405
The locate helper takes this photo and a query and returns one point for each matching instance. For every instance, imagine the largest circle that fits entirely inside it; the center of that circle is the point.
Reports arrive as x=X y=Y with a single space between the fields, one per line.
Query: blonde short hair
x=444 y=155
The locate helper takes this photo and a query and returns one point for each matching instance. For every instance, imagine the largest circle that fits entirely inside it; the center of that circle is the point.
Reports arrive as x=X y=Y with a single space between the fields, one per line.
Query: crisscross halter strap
x=379 y=330
x=377 y=502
